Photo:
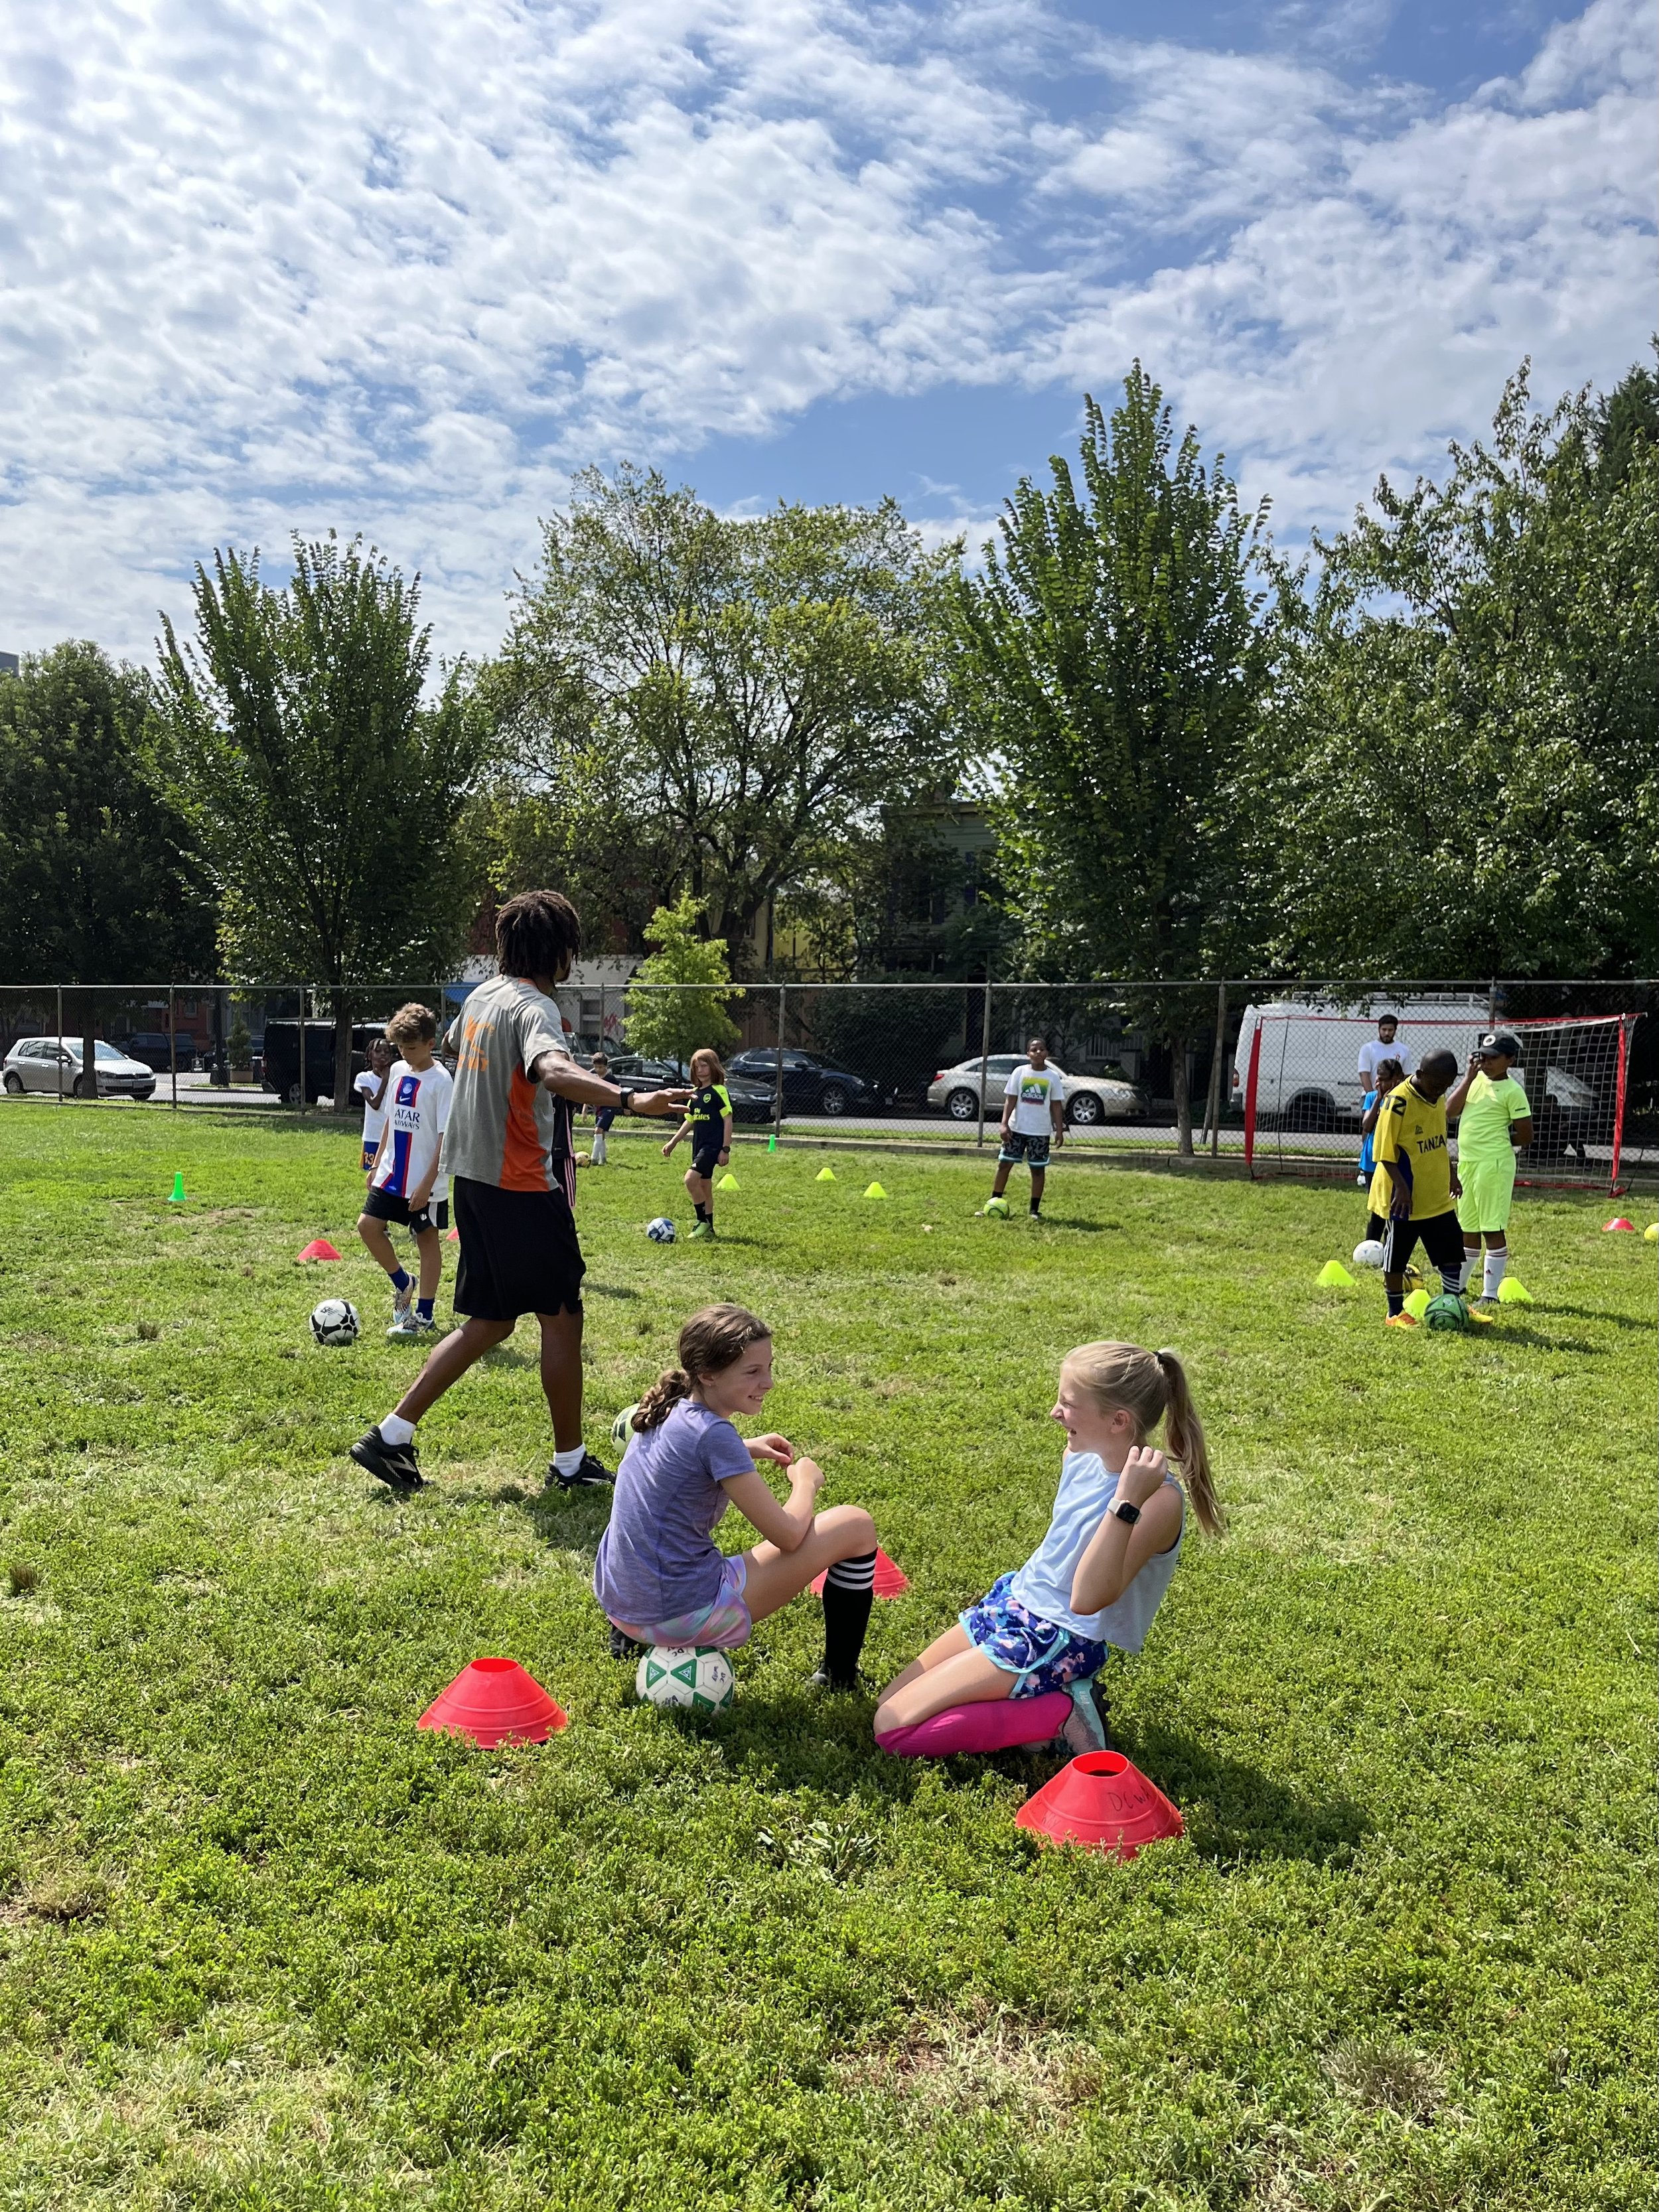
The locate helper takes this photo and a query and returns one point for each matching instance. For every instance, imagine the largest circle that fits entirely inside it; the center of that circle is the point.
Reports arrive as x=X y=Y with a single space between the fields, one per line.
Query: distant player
x=370 y=1087
x=1390 y=1073
x=1496 y=1120
x=603 y=1115
x=1385 y=1045
x=406 y=1183
x=1033 y=1118
x=1414 y=1185
x=708 y=1124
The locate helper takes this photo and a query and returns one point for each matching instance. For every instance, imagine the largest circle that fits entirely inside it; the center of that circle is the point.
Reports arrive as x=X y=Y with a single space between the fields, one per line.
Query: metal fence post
x=172 y=1044
x=1213 y=1110
x=777 y=1097
x=984 y=1054
x=58 y=1041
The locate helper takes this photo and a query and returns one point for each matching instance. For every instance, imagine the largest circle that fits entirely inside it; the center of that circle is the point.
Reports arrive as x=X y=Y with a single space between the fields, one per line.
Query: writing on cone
x=1101 y=1803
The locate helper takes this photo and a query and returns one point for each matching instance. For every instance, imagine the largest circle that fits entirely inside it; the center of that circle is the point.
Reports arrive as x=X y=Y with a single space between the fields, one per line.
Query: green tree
x=679 y=997
x=100 y=881
x=1459 y=776
x=1112 y=665
x=742 y=697
x=329 y=798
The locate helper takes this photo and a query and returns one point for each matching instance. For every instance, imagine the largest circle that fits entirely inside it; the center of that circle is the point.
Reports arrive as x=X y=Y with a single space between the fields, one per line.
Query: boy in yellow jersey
x=1496 y=1119
x=1414 y=1187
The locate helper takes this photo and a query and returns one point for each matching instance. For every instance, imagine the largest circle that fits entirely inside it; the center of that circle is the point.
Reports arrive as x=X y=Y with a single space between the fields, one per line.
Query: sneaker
x=591 y=1474
x=403 y=1303
x=1085 y=1724
x=408 y=1322
x=1485 y=1314
x=624 y=1647
x=395 y=1465
x=821 y=1679
x=703 y=1232
x=1401 y=1320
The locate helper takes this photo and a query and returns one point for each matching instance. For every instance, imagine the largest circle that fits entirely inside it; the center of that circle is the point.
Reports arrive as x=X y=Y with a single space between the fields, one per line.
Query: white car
x=1089 y=1098
x=53 y=1064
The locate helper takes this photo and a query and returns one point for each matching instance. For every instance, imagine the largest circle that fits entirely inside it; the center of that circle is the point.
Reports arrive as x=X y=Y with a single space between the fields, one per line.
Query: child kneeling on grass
x=659 y=1576
x=1097 y=1577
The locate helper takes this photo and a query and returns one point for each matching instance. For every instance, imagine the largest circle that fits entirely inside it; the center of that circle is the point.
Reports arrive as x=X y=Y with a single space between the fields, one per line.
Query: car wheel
x=1309 y=1111
x=14 y=1083
x=833 y=1099
x=962 y=1106
x=78 y=1088
x=1085 y=1110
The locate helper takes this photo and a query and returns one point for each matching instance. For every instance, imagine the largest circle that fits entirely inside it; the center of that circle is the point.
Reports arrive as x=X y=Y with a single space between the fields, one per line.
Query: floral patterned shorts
x=1042 y=1656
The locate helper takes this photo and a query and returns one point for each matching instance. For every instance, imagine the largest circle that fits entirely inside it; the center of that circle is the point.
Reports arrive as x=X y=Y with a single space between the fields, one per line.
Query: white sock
x=396 y=1431
x=597 y=1155
x=1496 y=1263
x=1466 y=1270
x=568 y=1462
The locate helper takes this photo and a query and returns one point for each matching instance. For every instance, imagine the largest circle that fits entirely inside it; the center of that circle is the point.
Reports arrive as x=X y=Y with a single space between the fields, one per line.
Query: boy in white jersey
x=370 y=1087
x=1033 y=1118
x=407 y=1184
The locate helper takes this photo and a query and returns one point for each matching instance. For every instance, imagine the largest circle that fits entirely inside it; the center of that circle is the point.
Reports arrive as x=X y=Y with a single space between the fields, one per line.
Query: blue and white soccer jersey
x=417 y=1113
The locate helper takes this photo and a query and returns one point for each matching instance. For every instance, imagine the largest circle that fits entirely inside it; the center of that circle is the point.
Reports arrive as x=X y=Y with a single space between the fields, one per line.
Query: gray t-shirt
x=504 y=1128
x=658 y=1558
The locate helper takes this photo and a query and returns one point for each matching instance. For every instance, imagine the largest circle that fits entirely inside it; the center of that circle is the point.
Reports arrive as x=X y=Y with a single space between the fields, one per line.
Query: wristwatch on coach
x=627 y=1098
x=1127 y=1513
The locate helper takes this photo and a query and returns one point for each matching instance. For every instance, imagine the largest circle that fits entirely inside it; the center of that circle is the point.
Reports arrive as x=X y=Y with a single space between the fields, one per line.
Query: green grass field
x=263 y=1944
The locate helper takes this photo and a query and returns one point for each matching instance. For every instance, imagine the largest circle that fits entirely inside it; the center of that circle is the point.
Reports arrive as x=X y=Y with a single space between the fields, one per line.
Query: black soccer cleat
x=591 y=1474
x=395 y=1465
x=624 y=1647
x=822 y=1680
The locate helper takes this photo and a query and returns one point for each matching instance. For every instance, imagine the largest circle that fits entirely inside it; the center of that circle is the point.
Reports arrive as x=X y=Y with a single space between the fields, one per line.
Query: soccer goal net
x=1305 y=1072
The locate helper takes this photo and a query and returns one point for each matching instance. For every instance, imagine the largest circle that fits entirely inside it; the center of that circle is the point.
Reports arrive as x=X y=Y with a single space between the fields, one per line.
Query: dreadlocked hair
x=710 y=1342
x=536 y=933
x=1152 y=1386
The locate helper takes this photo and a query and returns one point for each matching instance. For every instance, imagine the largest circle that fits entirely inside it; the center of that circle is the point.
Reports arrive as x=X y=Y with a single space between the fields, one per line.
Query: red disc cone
x=1618 y=1222
x=890 y=1581
x=494 y=1701
x=1101 y=1803
x=452 y=1236
x=320 y=1248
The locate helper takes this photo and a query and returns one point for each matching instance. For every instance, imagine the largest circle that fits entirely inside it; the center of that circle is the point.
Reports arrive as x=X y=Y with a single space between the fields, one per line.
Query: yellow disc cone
x=728 y=1182
x=1333 y=1276
x=875 y=1191
x=824 y=1174
x=1651 y=1232
x=1511 y=1292
x=1418 y=1304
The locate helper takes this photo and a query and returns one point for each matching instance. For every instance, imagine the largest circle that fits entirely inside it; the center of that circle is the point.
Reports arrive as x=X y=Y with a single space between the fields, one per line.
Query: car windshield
x=107 y=1051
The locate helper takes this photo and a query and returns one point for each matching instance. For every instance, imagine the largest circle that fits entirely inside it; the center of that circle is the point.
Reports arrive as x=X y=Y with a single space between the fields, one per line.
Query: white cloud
x=279 y=263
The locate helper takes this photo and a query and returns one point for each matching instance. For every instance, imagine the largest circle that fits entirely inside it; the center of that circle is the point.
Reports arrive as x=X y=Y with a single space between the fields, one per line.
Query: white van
x=1308 y=1077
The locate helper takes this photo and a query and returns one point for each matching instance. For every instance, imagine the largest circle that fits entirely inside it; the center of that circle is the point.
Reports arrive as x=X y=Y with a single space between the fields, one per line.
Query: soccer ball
x=1447 y=1311
x=1370 y=1254
x=661 y=1230
x=335 y=1322
x=999 y=1207
x=622 y=1429
x=697 y=1677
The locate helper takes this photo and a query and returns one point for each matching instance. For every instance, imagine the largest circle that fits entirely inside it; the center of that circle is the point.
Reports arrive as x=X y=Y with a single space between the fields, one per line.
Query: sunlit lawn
x=263 y=1944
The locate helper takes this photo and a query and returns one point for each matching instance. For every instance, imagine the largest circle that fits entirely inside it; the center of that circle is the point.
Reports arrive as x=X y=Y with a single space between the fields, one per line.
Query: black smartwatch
x=1127 y=1513
x=627 y=1098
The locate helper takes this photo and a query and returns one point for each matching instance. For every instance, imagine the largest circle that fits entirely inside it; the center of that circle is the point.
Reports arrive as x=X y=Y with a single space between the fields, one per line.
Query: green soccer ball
x=998 y=1207
x=622 y=1429
x=697 y=1677
x=1447 y=1311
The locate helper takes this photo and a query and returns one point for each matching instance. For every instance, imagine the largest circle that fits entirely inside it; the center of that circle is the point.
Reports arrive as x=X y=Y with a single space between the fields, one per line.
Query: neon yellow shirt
x=1483 y=1134
x=1411 y=1131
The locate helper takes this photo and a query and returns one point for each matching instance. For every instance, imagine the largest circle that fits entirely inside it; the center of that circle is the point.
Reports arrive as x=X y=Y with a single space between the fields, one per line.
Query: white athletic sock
x=1496 y=1263
x=596 y=1156
x=568 y=1462
x=1466 y=1270
x=396 y=1431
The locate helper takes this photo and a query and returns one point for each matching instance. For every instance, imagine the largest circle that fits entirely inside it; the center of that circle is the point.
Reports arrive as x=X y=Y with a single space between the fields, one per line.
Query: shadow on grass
x=607 y=1291
x=1233 y=1811
x=1595 y=1313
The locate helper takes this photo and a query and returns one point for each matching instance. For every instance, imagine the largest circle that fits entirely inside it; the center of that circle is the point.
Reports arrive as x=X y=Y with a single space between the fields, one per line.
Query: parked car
x=812 y=1084
x=153 y=1048
x=1090 y=1099
x=279 y=1064
x=53 y=1064
x=750 y=1100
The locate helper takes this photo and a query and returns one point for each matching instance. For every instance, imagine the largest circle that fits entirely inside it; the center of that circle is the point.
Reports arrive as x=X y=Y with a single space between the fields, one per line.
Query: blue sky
x=403 y=271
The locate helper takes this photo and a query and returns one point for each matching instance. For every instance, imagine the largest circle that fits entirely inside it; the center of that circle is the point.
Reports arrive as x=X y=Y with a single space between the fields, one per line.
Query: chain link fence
x=1267 y=1072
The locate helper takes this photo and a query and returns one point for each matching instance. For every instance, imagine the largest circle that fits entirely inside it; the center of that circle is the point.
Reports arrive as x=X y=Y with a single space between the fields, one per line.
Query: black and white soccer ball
x=335 y=1322
x=661 y=1230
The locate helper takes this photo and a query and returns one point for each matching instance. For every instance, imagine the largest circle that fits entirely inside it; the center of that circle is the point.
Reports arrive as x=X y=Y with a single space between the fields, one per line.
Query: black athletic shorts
x=519 y=1251
x=387 y=1206
x=1441 y=1240
x=706 y=1162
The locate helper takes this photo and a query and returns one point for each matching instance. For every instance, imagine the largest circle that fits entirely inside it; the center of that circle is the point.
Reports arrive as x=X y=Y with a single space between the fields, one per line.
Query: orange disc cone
x=452 y=1236
x=320 y=1248
x=890 y=1581
x=1101 y=1803
x=1618 y=1222
x=494 y=1701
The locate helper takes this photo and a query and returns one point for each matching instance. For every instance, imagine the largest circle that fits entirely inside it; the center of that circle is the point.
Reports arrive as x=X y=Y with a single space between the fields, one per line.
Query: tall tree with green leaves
x=100 y=881
x=1112 y=662
x=679 y=997
x=739 y=696
x=328 y=793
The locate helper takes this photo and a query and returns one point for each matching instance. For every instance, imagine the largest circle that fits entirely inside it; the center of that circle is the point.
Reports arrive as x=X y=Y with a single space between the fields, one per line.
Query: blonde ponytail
x=1187 y=1449
x=1152 y=1386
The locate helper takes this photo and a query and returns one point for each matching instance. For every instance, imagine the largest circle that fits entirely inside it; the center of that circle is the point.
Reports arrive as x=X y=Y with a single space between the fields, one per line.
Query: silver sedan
x=1090 y=1099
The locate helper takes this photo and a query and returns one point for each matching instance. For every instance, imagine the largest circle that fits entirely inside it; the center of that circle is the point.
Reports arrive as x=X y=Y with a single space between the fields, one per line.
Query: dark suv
x=812 y=1084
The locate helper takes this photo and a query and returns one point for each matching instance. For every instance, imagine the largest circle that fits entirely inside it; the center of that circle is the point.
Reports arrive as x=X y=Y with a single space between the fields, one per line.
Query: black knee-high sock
x=848 y=1593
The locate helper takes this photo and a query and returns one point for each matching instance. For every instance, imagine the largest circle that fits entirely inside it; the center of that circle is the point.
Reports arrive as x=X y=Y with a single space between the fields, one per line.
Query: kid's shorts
x=725 y=1623
x=1034 y=1151
x=1441 y=1237
x=706 y=1162
x=387 y=1206
x=1488 y=1193
x=1040 y=1656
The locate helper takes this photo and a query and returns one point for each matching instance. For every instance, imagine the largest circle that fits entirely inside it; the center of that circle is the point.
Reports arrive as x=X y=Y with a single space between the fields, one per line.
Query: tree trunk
x=88 y=1044
x=1181 y=1083
x=341 y=1051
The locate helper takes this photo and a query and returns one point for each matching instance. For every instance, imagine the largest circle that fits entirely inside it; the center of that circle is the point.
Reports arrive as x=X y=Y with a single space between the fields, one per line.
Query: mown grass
x=263 y=1944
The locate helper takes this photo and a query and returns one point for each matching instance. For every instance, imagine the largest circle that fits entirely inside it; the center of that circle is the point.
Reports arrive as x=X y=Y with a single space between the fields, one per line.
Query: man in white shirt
x=1033 y=1118
x=1384 y=1046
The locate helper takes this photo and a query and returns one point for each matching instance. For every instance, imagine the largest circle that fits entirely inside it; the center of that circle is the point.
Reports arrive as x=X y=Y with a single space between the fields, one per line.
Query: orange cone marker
x=494 y=1701
x=1101 y=1803
x=890 y=1581
x=320 y=1248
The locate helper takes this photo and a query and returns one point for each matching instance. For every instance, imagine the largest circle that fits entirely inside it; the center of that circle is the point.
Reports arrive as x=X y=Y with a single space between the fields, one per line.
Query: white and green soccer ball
x=697 y=1676
x=998 y=1207
x=622 y=1429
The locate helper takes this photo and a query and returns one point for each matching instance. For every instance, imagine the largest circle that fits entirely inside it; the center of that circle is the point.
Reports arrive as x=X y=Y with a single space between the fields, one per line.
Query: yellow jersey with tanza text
x=1412 y=1132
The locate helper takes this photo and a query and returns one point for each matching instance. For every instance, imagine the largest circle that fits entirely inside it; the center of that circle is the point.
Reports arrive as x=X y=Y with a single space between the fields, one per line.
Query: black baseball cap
x=1503 y=1041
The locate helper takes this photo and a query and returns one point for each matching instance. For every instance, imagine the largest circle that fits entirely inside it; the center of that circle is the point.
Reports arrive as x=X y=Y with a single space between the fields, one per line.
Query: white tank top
x=1043 y=1584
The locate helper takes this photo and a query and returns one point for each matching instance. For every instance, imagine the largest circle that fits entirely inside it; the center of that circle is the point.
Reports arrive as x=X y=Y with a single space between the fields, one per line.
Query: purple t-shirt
x=658 y=1558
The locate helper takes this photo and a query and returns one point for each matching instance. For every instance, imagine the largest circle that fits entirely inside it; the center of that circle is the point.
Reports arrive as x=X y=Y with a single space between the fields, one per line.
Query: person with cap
x=1494 y=1120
